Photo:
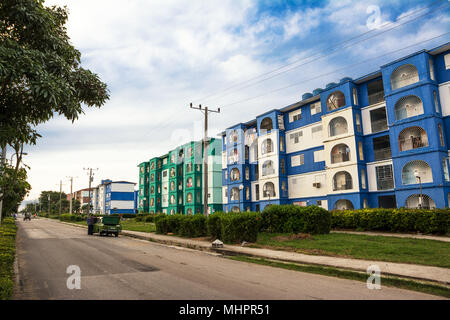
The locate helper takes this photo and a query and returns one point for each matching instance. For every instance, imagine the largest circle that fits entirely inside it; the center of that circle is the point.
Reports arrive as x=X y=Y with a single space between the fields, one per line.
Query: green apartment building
x=173 y=183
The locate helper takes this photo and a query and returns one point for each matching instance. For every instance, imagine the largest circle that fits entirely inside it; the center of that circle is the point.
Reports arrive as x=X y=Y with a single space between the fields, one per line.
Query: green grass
x=392 y=249
x=133 y=225
x=8 y=231
x=428 y=288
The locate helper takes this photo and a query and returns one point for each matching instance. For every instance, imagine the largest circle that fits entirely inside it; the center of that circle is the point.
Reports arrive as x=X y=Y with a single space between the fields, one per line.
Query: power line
x=334 y=71
x=331 y=51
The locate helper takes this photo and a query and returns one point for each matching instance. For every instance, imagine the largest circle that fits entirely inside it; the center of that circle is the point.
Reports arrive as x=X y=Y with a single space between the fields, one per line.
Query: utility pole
x=70 y=196
x=91 y=178
x=60 y=193
x=48 y=204
x=2 y=162
x=205 y=111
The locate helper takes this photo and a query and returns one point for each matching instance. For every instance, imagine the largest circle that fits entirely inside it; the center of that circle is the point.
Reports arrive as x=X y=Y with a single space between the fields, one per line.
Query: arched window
x=266 y=124
x=172 y=172
x=343 y=204
x=189 y=197
x=338 y=126
x=172 y=211
x=190 y=152
x=235 y=209
x=342 y=181
x=267 y=146
x=412 y=138
x=189 y=211
x=404 y=76
x=335 y=100
x=189 y=182
x=180 y=155
x=173 y=200
x=235 y=194
x=269 y=190
x=340 y=153
x=152 y=202
x=407 y=107
x=152 y=177
x=172 y=186
x=268 y=168
x=417 y=201
x=152 y=190
x=416 y=171
x=235 y=174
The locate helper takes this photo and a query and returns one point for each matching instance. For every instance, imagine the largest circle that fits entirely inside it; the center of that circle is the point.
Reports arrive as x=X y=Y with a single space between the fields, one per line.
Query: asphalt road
x=124 y=268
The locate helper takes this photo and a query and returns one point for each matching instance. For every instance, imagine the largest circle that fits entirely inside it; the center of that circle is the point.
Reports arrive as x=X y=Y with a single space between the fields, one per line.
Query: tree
x=18 y=188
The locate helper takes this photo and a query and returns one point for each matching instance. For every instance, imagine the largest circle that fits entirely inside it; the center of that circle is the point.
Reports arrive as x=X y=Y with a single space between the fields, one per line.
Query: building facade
x=111 y=197
x=173 y=183
x=82 y=196
x=378 y=141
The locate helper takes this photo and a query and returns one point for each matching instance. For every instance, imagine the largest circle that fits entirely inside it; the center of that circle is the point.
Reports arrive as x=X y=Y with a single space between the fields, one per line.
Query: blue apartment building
x=378 y=141
x=111 y=197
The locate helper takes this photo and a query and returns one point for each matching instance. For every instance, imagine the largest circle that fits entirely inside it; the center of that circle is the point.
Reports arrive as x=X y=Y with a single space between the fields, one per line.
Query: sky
x=158 y=56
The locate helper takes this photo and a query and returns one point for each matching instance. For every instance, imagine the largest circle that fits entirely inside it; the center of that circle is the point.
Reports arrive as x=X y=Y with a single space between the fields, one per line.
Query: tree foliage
x=15 y=188
x=40 y=71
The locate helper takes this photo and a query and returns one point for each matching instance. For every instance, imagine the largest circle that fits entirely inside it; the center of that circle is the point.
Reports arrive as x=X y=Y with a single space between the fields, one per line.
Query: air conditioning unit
x=316 y=184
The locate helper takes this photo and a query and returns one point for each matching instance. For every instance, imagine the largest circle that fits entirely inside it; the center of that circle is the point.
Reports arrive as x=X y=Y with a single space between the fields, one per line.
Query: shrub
x=214 y=225
x=7 y=254
x=294 y=219
x=238 y=227
x=168 y=224
x=435 y=221
x=192 y=226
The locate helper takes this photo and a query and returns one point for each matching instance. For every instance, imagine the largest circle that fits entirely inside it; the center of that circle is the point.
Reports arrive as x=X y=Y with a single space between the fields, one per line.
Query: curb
x=236 y=251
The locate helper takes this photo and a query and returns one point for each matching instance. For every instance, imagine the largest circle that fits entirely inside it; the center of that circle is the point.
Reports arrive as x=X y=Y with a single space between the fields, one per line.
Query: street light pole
x=70 y=196
x=416 y=173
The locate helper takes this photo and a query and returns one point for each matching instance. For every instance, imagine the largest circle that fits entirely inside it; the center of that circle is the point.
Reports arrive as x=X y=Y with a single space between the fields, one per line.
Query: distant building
x=82 y=196
x=113 y=197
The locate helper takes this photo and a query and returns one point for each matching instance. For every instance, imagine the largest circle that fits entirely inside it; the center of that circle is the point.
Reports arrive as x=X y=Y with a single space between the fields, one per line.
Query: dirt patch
x=298 y=236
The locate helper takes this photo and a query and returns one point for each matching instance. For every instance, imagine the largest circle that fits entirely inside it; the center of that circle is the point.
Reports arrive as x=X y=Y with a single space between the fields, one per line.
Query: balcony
x=385 y=184
x=341 y=157
x=379 y=125
x=382 y=154
x=411 y=143
x=376 y=97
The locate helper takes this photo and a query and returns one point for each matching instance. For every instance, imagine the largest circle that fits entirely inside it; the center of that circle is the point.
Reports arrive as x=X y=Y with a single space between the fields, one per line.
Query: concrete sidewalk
x=420 y=272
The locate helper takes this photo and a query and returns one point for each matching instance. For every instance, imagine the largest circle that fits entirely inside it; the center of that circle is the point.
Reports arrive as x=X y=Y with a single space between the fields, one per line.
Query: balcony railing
x=382 y=154
x=345 y=186
x=385 y=184
x=341 y=157
x=376 y=97
x=411 y=143
x=379 y=125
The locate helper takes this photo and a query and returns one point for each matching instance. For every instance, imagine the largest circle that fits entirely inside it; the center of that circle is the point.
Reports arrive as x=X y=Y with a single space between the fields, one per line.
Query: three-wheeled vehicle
x=107 y=225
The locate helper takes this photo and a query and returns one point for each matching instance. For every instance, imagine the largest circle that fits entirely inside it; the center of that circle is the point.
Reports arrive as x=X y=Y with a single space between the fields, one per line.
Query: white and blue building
x=112 y=197
x=381 y=140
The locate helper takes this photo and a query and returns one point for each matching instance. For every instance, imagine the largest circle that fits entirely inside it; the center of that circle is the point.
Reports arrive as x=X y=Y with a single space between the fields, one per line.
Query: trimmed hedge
x=294 y=219
x=193 y=226
x=8 y=231
x=238 y=227
x=435 y=221
x=214 y=225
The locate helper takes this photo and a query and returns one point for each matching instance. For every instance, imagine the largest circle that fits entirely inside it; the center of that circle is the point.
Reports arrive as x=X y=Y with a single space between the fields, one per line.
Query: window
x=247 y=150
x=190 y=152
x=316 y=108
x=199 y=182
x=363 y=179
x=343 y=204
x=189 y=167
x=361 y=151
x=226 y=175
x=180 y=156
x=355 y=96
x=173 y=199
x=189 y=182
x=235 y=209
x=416 y=171
x=257 y=192
x=342 y=181
x=152 y=177
x=316 y=132
x=447 y=61
x=430 y=61
x=381 y=148
x=247 y=193
x=295 y=137
x=189 y=211
x=295 y=115
x=338 y=126
x=269 y=190
x=266 y=124
x=267 y=146
x=298 y=160
x=235 y=175
x=268 y=168
x=172 y=186
x=247 y=173
x=340 y=153
x=152 y=165
x=404 y=76
x=335 y=101
x=233 y=137
x=152 y=190
x=378 y=120
x=365 y=203
x=256 y=172
x=282 y=166
x=235 y=194
x=407 y=107
x=417 y=201
x=385 y=178
x=412 y=138
x=358 y=122
x=445 y=167
x=441 y=135
x=142 y=169
x=283 y=186
x=319 y=156
x=172 y=172
x=281 y=144
x=233 y=156
x=436 y=102
x=165 y=161
x=375 y=91
x=189 y=198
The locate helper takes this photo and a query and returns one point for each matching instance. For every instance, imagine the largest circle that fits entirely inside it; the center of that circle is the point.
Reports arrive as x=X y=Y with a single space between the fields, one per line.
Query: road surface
x=126 y=268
